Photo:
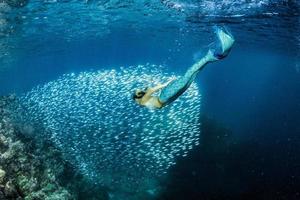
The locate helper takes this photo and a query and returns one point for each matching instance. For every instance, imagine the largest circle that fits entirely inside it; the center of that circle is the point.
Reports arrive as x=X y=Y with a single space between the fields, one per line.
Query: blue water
x=254 y=92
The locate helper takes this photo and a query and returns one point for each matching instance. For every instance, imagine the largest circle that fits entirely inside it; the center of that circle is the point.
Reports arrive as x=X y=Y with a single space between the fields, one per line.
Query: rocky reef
x=27 y=172
x=35 y=170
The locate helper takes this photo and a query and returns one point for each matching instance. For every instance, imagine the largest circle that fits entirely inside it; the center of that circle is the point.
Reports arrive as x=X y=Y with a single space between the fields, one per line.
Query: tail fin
x=221 y=48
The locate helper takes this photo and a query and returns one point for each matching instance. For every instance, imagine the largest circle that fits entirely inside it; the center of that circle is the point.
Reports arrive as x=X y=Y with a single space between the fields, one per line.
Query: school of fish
x=92 y=118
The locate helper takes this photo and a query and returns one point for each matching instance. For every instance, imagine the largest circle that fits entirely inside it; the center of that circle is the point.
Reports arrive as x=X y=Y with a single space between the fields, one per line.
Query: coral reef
x=25 y=171
x=35 y=170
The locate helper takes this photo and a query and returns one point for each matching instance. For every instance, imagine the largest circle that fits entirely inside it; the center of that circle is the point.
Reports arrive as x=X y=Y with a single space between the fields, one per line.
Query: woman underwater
x=171 y=90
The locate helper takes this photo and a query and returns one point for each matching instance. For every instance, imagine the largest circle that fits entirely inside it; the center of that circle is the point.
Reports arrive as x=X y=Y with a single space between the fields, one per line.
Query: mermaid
x=172 y=89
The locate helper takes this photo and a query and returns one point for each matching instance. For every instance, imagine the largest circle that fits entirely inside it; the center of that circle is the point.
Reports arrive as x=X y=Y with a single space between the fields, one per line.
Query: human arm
x=160 y=86
x=150 y=91
x=154 y=89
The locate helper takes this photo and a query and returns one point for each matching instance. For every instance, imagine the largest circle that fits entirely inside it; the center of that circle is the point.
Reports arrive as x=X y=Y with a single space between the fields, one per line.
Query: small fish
x=91 y=117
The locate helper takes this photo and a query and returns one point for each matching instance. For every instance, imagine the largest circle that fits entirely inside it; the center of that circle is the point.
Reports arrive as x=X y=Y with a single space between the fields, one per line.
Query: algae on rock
x=25 y=172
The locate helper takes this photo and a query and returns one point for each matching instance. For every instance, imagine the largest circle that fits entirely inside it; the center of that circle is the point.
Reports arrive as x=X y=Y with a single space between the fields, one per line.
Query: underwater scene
x=149 y=100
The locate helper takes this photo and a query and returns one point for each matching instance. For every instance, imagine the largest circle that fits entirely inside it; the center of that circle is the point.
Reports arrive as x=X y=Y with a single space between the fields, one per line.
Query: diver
x=171 y=90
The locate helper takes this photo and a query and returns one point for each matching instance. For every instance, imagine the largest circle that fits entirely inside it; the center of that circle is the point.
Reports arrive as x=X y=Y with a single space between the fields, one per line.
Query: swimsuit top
x=150 y=103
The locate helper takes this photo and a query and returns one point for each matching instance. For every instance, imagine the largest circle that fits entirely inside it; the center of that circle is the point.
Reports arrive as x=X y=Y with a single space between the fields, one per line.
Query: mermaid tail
x=221 y=48
x=218 y=50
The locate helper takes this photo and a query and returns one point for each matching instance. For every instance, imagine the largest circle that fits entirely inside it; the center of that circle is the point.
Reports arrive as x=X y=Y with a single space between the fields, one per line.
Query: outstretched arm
x=160 y=86
x=152 y=90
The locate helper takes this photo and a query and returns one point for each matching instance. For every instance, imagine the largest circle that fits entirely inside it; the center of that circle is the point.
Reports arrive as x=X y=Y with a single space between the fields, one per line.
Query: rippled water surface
x=34 y=26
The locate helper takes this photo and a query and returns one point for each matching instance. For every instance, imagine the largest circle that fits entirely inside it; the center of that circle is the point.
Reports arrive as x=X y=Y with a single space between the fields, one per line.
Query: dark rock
x=2 y=195
x=10 y=190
